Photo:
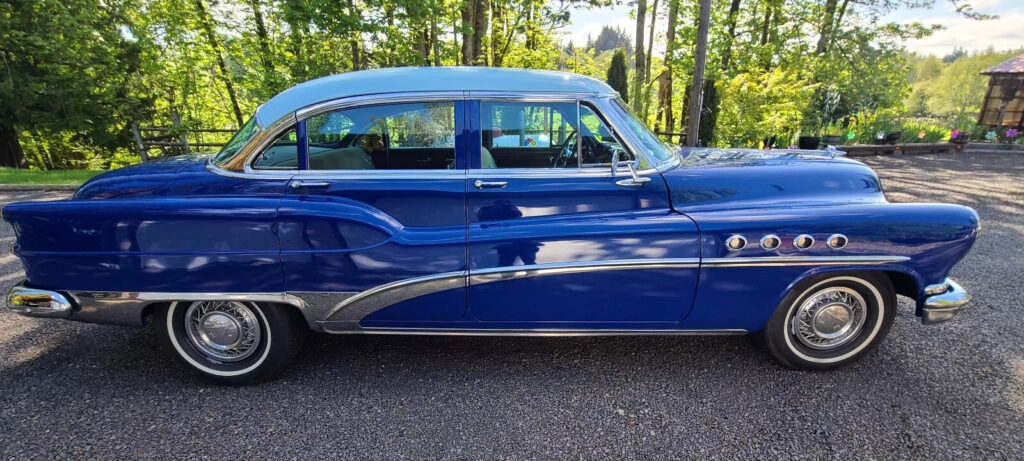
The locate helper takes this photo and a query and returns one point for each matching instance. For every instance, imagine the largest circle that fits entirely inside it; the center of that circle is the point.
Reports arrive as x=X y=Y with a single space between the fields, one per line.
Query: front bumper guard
x=943 y=302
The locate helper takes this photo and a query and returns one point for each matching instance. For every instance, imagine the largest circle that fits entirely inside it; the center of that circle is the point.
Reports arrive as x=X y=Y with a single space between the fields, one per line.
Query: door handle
x=310 y=184
x=490 y=184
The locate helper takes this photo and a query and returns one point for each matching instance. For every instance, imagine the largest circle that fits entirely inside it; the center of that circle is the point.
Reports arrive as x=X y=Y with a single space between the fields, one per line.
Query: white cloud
x=1003 y=33
x=581 y=33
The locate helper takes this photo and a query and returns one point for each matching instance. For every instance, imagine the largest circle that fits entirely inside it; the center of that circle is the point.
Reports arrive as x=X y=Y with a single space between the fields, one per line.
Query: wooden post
x=182 y=138
x=138 y=142
x=699 y=63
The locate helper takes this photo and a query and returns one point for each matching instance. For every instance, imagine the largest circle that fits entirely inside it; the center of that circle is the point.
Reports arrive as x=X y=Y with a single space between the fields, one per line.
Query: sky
x=1007 y=32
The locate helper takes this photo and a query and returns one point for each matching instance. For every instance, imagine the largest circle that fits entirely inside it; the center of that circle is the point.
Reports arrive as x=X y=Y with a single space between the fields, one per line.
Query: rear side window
x=413 y=136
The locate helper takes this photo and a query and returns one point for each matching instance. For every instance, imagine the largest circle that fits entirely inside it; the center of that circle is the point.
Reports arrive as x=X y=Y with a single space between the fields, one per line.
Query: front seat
x=486 y=159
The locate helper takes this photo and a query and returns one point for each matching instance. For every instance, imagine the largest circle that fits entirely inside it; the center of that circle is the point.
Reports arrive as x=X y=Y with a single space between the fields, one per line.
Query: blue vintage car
x=483 y=202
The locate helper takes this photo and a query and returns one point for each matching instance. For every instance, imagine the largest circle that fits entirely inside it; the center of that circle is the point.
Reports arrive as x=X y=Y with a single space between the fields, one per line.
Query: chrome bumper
x=943 y=302
x=32 y=302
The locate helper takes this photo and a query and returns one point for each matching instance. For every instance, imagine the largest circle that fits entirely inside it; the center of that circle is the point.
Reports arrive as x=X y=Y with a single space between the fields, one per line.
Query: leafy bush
x=924 y=130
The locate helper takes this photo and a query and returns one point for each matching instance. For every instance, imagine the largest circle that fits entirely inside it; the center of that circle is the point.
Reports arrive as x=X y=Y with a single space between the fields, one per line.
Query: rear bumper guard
x=32 y=302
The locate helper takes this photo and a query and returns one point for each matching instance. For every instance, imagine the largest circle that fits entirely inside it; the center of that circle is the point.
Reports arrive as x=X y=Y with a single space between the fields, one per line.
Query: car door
x=374 y=225
x=566 y=243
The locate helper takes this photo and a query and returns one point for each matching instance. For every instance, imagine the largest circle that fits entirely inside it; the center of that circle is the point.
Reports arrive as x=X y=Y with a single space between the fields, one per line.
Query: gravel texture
x=70 y=390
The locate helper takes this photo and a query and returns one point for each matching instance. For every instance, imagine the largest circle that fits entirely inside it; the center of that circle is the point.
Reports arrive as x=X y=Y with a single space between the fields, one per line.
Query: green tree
x=617 y=77
x=65 y=67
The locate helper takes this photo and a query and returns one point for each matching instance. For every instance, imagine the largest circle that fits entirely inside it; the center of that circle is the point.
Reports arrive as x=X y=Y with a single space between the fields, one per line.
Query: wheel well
x=904 y=284
x=149 y=310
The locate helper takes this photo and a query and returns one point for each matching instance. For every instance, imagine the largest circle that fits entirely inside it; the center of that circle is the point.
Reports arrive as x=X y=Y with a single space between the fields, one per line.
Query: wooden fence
x=175 y=140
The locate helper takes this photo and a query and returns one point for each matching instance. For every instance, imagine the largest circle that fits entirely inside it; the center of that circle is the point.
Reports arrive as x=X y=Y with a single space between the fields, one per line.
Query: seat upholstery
x=486 y=159
x=347 y=158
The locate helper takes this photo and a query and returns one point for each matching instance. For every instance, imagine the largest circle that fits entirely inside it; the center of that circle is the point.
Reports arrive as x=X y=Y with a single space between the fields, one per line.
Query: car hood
x=144 y=179
x=710 y=179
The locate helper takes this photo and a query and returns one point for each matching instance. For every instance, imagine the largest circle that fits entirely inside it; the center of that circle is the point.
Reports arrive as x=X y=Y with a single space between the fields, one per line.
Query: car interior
x=420 y=136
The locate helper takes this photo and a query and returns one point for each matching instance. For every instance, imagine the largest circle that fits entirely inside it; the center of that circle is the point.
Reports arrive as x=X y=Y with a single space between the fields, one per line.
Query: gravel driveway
x=950 y=391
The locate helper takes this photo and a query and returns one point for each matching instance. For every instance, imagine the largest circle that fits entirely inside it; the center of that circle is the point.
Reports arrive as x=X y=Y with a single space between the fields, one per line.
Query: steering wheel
x=567 y=154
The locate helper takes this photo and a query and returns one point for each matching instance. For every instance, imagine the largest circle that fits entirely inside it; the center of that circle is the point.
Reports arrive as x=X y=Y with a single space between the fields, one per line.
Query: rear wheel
x=830 y=321
x=232 y=342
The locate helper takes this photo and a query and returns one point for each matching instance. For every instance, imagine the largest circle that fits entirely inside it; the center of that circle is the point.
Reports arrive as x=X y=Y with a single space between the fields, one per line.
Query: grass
x=20 y=176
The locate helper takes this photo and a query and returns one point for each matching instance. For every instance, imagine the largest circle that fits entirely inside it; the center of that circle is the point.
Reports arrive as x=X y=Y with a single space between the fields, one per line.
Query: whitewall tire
x=831 y=320
x=232 y=342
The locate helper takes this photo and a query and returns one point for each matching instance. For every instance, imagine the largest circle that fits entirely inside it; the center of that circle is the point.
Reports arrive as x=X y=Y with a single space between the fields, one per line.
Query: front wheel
x=232 y=342
x=830 y=321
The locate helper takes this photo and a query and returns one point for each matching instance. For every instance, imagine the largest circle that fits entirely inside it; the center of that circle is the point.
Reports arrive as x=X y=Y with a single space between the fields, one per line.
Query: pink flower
x=954 y=134
x=1012 y=133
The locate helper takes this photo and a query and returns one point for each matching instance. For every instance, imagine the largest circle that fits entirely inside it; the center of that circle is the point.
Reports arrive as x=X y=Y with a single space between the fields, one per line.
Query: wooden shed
x=1004 y=100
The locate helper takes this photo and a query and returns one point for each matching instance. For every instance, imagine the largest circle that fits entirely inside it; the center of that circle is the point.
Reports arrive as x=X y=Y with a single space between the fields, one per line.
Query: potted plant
x=808 y=138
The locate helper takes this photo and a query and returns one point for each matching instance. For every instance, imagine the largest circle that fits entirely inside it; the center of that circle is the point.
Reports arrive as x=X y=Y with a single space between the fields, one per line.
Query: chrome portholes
x=803 y=241
x=736 y=243
x=829 y=318
x=226 y=331
x=770 y=242
x=837 y=241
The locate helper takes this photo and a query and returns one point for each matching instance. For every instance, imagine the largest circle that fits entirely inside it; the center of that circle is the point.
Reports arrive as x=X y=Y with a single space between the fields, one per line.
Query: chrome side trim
x=942 y=307
x=545 y=332
x=496 y=274
x=32 y=302
x=126 y=308
x=352 y=309
x=801 y=261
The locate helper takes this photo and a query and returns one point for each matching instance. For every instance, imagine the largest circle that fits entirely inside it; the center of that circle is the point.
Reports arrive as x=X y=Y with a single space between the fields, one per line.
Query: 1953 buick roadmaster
x=485 y=202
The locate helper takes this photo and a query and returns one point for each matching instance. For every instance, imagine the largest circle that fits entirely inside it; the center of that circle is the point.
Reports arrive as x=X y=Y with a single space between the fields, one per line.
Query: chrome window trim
x=234 y=167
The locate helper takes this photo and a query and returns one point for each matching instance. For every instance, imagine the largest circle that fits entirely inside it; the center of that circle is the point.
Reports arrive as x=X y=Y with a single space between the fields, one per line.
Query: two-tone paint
x=542 y=251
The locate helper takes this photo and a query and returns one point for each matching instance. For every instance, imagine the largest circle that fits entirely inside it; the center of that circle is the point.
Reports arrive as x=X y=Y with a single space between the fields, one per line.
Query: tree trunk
x=826 y=25
x=768 y=10
x=266 y=57
x=211 y=36
x=699 y=61
x=467 y=32
x=650 y=39
x=479 y=30
x=734 y=10
x=11 y=154
x=497 y=32
x=670 y=48
x=638 y=57
x=355 y=43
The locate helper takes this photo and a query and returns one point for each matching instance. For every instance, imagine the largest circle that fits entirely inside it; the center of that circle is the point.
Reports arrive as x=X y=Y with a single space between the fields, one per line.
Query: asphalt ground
x=952 y=391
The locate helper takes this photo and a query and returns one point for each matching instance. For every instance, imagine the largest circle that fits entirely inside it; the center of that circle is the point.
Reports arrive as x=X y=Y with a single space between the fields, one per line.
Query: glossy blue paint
x=579 y=217
x=178 y=225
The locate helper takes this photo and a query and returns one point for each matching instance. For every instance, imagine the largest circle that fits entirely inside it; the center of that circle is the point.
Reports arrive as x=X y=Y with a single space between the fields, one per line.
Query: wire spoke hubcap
x=829 y=318
x=224 y=331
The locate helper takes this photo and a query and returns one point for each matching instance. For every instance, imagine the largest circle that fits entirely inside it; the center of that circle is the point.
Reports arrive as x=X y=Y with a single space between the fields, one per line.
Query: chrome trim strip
x=801 y=261
x=353 y=309
x=527 y=96
x=495 y=274
x=126 y=308
x=943 y=307
x=937 y=289
x=543 y=332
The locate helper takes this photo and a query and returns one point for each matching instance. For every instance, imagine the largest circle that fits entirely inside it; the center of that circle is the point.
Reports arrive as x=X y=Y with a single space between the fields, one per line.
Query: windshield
x=243 y=135
x=651 y=143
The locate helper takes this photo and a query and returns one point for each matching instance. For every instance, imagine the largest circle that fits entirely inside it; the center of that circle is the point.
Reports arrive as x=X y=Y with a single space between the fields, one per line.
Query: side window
x=283 y=154
x=599 y=144
x=415 y=136
x=528 y=135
